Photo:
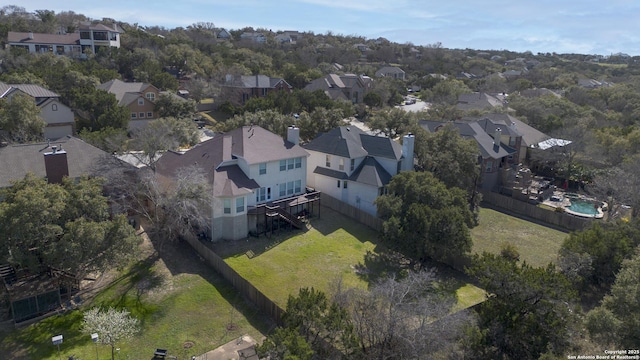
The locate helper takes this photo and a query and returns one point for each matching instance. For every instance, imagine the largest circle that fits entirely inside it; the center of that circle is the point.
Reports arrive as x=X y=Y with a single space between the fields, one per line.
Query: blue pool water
x=583 y=207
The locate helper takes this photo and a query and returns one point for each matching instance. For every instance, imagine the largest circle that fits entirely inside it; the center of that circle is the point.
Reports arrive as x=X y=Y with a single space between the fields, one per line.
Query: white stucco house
x=248 y=167
x=354 y=167
x=58 y=116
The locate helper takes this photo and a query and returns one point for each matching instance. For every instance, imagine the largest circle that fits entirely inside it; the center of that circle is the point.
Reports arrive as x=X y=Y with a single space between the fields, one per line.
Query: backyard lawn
x=183 y=305
x=334 y=248
x=538 y=245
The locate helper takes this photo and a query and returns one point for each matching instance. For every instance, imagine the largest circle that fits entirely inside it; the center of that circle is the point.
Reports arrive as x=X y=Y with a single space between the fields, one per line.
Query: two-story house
x=240 y=88
x=256 y=37
x=354 y=167
x=58 y=116
x=348 y=87
x=391 y=71
x=138 y=97
x=95 y=37
x=247 y=167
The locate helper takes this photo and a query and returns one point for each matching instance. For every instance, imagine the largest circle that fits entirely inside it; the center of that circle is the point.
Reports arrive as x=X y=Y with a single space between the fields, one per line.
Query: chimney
x=56 y=165
x=30 y=35
x=408 y=142
x=293 y=134
x=227 y=143
x=497 y=134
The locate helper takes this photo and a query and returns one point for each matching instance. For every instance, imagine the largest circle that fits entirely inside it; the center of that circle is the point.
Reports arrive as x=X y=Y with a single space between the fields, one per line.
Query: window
x=489 y=166
x=512 y=141
x=290 y=188
x=298 y=186
x=134 y=115
x=54 y=107
x=353 y=164
x=85 y=35
x=100 y=35
x=338 y=183
x=283 y=165
x=141 y=115
x=298 y=162
x=151 y=96
x=113 y=36
x=283 y=190
x=263 y=194
x=344 y=184
x=140 y=101
x=239 y=204
x=328 y=161
x=150 y=114
x=263 y=168
x=227 y=206
x=290 y=164
x=341 y=165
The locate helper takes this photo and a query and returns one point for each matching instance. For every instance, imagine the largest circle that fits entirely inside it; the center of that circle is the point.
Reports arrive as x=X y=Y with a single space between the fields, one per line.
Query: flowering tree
x=111 y=325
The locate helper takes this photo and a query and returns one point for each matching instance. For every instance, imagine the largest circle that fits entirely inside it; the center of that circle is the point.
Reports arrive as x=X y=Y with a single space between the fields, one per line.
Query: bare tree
x=110 y=325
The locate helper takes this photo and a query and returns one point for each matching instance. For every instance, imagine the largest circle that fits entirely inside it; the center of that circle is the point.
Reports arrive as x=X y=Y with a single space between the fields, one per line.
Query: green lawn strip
x=206 y=312
x=538 y=245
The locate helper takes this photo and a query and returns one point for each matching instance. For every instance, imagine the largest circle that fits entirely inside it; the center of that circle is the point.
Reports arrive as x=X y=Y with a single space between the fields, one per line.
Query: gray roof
x=49 y=39
x=477 y=101
x=370 y=172
x=389 y=70
x=341 y=175
x=351 y=142
x=255 y=82
x=99 y=27
x=35 y=91
x=511 y=125
x=19 y=160
x=125 y=92
x=216 y=157
x=474 y=131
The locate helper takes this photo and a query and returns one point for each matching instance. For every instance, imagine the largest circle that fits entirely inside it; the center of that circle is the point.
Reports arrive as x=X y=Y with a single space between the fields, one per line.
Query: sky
x=563 y=26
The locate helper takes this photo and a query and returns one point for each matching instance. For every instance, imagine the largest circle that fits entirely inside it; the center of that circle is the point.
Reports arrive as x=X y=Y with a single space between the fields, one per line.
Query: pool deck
x=566 y=202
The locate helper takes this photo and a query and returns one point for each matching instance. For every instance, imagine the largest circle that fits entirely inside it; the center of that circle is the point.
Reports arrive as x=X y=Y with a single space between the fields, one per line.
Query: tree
x=617 y=320
x=66 y=226
x=392 y=122
x=425 y=218
x=526 y=314
x=100 y=109
x=174 y=106
x=285 y=344
x=451 y=159
x=20 y=118
x=111 y=325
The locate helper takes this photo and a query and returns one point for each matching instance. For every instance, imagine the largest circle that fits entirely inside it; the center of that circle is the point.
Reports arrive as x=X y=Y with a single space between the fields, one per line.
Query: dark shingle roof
x=471 y=130
x=255 y=82
x=370 y=172
x=125 y=92
x=330 y=173
x=18 y=160
x=512 y=126
x=351 y=142
x=35 y=91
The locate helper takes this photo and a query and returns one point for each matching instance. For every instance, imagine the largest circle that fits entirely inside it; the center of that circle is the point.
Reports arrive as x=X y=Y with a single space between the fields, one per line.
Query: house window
x=134 y=115
x=489 y=166
x=328 y=161
x=283 y=190
x=344 y=184
x=290 y=164
x=338 y=183
x=512 y=141
x=54 y=107
x=263 y=168
x=341 y=165
x=264 y=92
x=141 y=115
x=239 y=205
x=283 y=165
x=150 y=96
x=227 y=206
x=85 y=35
x=150 y=114
x=263 y=194
x=298 y=186
x=298 y=163
x=140 y=101
x=290 y=188
x=353 y=164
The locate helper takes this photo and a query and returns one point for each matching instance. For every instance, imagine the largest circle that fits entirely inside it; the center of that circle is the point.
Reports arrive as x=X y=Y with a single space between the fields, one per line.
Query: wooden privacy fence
x=244 y=287
x=559 y=219
x=352 y=212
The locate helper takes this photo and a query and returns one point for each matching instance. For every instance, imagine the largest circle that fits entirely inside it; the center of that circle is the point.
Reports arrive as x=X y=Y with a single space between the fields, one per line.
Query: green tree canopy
x=425 y=218
x=66 y=226
x=20 y=118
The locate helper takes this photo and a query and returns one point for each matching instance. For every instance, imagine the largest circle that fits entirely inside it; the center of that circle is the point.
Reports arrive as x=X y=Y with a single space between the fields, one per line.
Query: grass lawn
x=538 y=245
x=334 y=248
x=178 y=299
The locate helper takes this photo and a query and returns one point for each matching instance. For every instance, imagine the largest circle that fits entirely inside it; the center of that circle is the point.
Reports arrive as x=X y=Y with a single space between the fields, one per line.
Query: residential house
x=288 y=37
x=478 y=101
x=138 y=97
x=348 y=87
x=89 y=37
x=502 y=141
x=592 y=83
x=67 y=156
x=391 y=71
x=223 y=34
x=248 y=168
x=257 y=37
x=353 y=166
x=58 y=116
x=240 y=88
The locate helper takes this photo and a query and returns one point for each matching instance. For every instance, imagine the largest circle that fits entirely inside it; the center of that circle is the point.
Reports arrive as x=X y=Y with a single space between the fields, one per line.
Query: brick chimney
x=56 y=165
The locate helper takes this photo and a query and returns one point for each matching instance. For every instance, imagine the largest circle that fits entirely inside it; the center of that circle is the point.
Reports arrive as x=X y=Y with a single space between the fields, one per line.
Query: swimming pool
x=584 y=207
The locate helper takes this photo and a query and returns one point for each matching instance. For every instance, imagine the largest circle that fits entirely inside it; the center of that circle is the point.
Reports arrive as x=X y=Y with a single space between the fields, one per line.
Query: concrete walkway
x=229 y=350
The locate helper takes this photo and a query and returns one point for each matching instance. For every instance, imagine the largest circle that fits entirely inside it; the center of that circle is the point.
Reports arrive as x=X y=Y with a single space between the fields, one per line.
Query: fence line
x=558 y=219
x=244 y=287
x=353 y=212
